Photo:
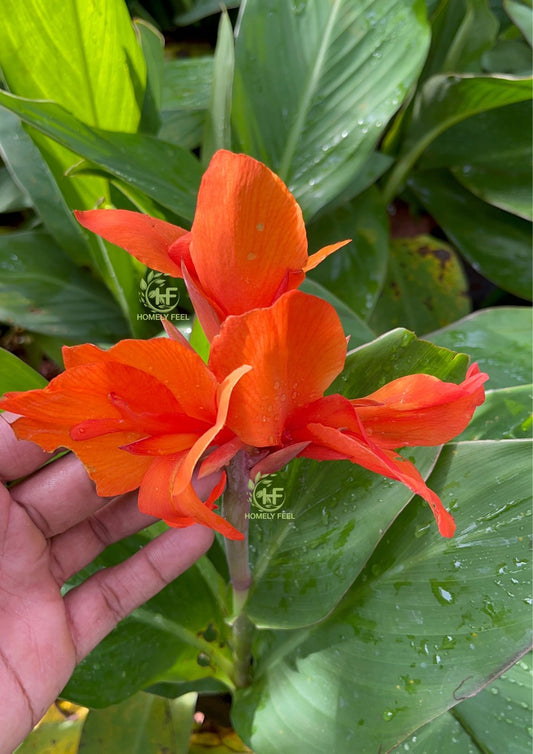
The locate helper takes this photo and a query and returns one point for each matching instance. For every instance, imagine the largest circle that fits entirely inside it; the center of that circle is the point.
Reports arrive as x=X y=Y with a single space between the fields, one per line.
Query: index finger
x=55 y=497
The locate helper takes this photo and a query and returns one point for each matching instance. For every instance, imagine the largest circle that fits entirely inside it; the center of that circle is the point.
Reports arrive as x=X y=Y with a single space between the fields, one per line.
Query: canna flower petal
x=277 y=459
x=384 y=462
x=420 y=409
x=246 y=248
x=143 y=411
x=146 y=238
x=247 y=227
x=296 y=348
x=208 y=313
x=193 y=385
x=224 y=392
x=50 y=414
x=113 y=470
x=220 y=457
x=156 y=499
x=319 y=256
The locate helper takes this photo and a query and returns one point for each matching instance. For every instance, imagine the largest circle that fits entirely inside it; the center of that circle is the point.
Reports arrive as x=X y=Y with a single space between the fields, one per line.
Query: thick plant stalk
x=236 y=506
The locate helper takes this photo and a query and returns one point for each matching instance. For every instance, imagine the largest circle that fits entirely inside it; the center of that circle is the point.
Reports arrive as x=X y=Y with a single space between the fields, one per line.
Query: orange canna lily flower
x=247 y=245
x=420 y=409
x=296 y=348
x=138 y=415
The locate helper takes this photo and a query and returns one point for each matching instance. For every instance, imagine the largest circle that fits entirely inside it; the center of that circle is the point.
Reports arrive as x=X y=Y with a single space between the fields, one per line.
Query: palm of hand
x=52 y=524
x=38 y=653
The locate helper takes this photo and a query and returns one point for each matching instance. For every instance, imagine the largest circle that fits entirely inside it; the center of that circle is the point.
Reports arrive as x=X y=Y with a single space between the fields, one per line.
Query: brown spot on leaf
x=441 y=255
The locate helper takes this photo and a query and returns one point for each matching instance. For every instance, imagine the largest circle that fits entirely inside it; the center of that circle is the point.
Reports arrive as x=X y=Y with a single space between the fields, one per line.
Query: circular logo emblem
x=158 y=294
x=266 y=497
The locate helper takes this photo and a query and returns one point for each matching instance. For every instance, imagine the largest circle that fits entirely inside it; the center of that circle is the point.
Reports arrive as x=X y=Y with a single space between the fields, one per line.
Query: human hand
x=52 y=524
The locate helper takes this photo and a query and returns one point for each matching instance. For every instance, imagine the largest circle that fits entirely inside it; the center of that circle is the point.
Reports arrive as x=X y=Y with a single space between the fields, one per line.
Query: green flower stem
x=236 y=506
x=243 y=630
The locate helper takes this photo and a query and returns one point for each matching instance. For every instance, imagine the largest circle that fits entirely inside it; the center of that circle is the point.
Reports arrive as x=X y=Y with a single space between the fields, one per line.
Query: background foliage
x=404 y=125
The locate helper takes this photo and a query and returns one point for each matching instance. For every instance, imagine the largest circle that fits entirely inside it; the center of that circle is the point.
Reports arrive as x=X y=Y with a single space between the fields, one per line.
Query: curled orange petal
x=224 y=392
x=156 y=498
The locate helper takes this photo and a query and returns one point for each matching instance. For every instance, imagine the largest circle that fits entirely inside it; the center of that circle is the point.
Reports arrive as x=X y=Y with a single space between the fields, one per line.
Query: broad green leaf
x=505 y=185
x=508 y=56
x=179 y=636
x=118 y=270
x=165 y=172
x=187 y=83
x=461 y=31
x=334 y=513
x=496 y=243
x=354 y=327
x=376 y=164
x=15 y=374
x=499 y=11
x=499 y=717
x=522 y=16
x=444 y=735
x=495 y=720
x=394 y=355
x=184 y=128
x=32 y=173
x=432 y=6
x=425 y=287
x=354 y=273
x=444 y=101
x=12 y=197
x=316 y=83
x=490 y=154
x=499 y=134
x=54 y=297
x=135 y=200
x=217 y=130
x=307 y=554
x=428 y=623
x=185 y=99
x=506 y=414
x=498 y=339
x=48 y=52
x=152 y=44
x=105 y=90
x=143 y=724
x=123 y=275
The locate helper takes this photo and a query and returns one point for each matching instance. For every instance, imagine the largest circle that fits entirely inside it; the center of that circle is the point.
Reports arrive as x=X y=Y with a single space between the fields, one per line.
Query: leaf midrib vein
x=307 y=95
